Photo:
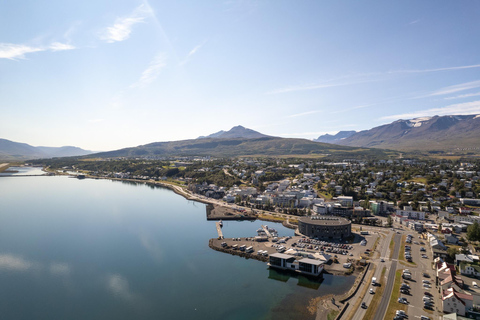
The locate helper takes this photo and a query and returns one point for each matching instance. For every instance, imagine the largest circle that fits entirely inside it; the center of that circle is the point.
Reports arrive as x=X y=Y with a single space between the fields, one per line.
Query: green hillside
x=267 y=146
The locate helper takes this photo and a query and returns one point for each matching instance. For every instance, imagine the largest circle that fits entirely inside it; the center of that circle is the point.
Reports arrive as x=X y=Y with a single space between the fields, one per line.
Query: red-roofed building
x=454 y=301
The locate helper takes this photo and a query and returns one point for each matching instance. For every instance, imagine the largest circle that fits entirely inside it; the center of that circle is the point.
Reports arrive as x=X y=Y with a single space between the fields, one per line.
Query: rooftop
x=325 y=220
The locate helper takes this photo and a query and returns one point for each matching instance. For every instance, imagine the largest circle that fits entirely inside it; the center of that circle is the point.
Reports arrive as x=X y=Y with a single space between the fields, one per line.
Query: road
x=382 y=308
x=384 y=253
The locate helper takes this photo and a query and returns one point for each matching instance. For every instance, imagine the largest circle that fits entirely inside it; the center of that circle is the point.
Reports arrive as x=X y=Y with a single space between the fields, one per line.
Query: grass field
x=390 y=246
x=332 y=314
x=394 y=305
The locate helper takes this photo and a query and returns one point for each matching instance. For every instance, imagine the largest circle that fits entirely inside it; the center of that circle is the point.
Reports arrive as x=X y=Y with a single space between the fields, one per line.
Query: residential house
x=469 y=269
x=454 y=301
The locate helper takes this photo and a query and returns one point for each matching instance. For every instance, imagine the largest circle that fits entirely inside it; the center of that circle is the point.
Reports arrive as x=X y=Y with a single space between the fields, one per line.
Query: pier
x=219 y=230
x=269 y=235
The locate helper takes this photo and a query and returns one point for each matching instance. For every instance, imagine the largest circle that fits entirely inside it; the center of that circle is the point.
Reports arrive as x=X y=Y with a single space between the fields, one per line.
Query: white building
x=410 y=214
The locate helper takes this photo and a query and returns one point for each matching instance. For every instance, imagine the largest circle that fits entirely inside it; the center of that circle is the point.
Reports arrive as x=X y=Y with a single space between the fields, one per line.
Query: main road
x=383 y=246
x=387 y=293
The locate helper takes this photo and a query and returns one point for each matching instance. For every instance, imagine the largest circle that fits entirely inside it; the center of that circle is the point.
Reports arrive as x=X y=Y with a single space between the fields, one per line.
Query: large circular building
x=325 y=227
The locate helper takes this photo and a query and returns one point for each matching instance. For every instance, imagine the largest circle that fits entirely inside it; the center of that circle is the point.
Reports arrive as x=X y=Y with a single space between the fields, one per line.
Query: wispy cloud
x=453 y=109
x=353 y=108
x=414 y=21
x=152 y=72
x=122 y=28
x=308 y=87
x=456 y=88
x=436 y=70
x=363 y=78
x=58 y=46
x=18 y=51
x=192 y=52
x=463 y=96
x=303 y=114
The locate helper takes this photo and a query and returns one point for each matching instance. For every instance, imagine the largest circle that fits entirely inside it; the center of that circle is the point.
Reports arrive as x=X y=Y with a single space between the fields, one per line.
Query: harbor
x=299 y=254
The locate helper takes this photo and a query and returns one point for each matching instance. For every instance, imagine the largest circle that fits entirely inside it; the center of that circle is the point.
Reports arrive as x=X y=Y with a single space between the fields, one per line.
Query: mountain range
x=438 y=133
x=10 y=150
x=458 y=134
x=240 y=141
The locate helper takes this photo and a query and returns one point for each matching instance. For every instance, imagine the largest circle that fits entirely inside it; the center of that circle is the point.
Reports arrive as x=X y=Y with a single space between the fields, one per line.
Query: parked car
x=428 y=294
x=424 y=318
x=400 y=313
x=403 y=300
x=426 y=275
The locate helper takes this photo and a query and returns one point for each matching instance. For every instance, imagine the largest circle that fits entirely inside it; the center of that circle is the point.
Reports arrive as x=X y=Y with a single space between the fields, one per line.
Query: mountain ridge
x=328 y=138
x=235 y=132
x=442 y=133
x=11 y=150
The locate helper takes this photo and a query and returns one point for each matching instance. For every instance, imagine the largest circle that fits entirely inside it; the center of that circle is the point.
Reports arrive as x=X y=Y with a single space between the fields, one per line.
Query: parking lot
x=418 y=283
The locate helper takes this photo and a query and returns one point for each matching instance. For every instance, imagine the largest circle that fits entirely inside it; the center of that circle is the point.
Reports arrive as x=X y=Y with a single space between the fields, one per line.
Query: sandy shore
x=4 y=166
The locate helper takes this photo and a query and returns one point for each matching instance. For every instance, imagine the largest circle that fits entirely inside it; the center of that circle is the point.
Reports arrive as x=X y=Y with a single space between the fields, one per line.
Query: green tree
x=452 y=252
x=473 y=232
x=389 y=221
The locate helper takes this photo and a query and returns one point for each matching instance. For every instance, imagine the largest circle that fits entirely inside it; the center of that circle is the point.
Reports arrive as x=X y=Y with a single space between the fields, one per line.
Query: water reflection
x=303 y=281
x=23 y=171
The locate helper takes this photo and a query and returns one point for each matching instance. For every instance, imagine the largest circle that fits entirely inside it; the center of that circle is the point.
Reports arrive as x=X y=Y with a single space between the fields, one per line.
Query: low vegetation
x=332 y=314
x=372 y=308
x=394 y=305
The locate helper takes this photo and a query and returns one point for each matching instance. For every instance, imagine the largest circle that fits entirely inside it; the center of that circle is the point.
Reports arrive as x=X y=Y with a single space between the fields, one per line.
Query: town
x=423 y=214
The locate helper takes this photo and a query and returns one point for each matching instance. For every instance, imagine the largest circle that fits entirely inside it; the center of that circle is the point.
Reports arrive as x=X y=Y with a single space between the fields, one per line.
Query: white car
x=372 y=291
x=427 y=286
x=424 y=318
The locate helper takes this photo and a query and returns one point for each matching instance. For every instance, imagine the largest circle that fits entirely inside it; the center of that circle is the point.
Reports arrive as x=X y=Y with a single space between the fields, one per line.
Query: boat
x=220 y=223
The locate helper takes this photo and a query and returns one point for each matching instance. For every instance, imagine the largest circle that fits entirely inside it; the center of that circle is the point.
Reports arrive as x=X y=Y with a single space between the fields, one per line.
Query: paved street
x=384 y=253
x=382 y=308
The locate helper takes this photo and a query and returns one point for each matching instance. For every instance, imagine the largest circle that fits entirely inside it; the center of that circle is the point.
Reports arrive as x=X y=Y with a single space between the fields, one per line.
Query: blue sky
x=104 y=75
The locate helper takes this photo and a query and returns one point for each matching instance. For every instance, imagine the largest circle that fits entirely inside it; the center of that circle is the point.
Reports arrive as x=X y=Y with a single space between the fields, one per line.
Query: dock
x=219 y=230
x=269 y=235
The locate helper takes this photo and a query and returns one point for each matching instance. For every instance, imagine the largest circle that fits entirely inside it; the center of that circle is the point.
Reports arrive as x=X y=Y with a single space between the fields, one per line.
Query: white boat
x=220 y=223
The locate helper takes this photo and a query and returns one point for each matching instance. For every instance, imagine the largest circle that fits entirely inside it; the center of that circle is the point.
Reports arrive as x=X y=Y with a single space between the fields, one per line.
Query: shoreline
x=4 y=166
x=319 y=306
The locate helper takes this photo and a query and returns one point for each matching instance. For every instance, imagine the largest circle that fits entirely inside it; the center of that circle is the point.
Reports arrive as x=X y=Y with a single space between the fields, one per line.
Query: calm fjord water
x=98 y=249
